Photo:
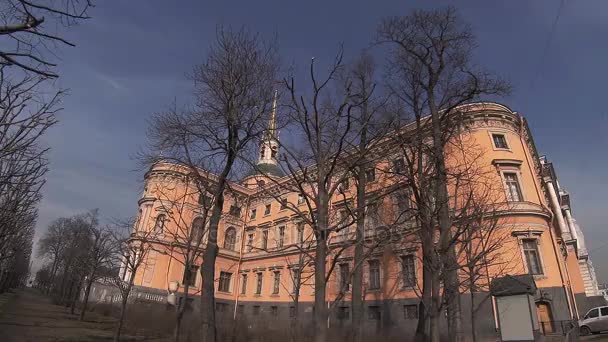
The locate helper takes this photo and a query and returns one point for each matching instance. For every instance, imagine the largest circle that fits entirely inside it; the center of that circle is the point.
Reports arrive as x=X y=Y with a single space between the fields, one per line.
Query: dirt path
x=30 y=316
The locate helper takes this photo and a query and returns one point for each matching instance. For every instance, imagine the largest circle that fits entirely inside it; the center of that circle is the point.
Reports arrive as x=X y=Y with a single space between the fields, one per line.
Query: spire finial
x=272 y=125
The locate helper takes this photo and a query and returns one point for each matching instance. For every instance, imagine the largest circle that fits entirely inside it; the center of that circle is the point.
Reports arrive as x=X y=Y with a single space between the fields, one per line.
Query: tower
x=267 y=164
x=269 y=146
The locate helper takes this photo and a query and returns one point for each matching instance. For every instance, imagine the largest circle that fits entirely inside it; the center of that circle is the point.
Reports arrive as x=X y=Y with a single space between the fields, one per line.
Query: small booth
x=517 y=318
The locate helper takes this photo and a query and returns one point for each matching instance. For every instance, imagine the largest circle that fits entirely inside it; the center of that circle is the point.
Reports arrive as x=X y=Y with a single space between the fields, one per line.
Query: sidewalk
x=27 y=315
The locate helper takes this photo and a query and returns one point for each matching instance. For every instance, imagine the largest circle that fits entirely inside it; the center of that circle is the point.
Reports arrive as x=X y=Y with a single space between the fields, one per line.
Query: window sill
x=275 y=295
x=257 y=295
x=539 y=276
x=374 y=290
x=506 y=149
x=408 y=288
x=224 y=292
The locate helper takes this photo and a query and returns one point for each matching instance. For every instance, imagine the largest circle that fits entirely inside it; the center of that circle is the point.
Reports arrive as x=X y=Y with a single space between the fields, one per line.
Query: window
x=604 y=311
x=345 y=184
x=273 y=152
x=403 y=202
x=264 y=239
x=344 y=277
x=267 y=209
x=373 y=313
x=399 y=166
x=230 y=238
x=343 y=313
x=301 y=199
x=224 y=285
x=277 y=282
x=244 y=284
x=592 y=314
x=262 y=152
x=300 y=232
x=221 y=307
x=408 y=271
x=261 y=182
x=198 y=226
x=372 y=219
x=530 y=247
x=159 y=226
x=204 y=200
x=249 y=242
x=258 y=288
x=410 y=311
x=281 y=239
x=513 y=188
x=274 y=311
x=256 y=310
x=235 y=210
x=374 y=274
x=283 y=202
x=370 y=174
x=500 y=141
x=190 y=276
x=295 y=273
x=253 y=214
x=292 y=311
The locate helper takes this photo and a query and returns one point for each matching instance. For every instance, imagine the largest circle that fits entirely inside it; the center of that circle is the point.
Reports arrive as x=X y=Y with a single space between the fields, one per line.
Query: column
x=557 y=210
x=571 y=224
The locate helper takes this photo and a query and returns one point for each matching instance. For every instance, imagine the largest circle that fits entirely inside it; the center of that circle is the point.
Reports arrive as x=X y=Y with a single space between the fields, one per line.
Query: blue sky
x=132 y=57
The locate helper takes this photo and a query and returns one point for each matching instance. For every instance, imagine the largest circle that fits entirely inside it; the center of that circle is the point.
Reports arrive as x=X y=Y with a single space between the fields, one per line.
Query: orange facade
x=261 y=239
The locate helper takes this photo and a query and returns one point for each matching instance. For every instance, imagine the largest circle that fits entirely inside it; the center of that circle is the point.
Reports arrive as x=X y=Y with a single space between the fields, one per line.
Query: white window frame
x=504 y=134
x=402 y=276
x=517 y=172
x=531 y=235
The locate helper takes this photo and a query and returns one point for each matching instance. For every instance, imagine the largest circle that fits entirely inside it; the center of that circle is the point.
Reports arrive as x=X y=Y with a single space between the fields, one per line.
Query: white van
x=595 y=320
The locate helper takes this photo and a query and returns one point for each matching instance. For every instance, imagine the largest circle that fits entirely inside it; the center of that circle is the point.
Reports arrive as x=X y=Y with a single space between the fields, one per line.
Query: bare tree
x=132 y=252
x=182 y=226
x=29 y=31
x=99 y=261
x=433 y=74
x=323 y=120
x=234 y=94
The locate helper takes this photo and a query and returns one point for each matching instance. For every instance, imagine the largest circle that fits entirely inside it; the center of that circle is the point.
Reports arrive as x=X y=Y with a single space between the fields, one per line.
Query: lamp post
x=173 y=287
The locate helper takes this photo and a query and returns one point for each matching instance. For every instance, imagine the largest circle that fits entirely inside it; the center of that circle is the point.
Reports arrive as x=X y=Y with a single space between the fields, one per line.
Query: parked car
x=595 y=321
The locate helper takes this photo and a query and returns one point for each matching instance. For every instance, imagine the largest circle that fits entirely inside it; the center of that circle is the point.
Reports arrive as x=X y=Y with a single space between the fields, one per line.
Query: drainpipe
x=238 y=268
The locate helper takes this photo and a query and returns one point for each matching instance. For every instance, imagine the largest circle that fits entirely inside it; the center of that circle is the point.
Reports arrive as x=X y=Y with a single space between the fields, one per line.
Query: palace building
x=263 y=243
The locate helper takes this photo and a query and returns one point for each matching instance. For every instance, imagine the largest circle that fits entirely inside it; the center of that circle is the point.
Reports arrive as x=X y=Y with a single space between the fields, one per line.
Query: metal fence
x=558 y=327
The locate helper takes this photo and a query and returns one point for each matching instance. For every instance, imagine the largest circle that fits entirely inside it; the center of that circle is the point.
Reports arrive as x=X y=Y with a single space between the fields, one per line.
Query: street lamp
x=173 y=287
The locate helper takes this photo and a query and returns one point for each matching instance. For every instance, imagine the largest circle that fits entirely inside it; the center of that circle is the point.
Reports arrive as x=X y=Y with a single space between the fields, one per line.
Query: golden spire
x=272 y=125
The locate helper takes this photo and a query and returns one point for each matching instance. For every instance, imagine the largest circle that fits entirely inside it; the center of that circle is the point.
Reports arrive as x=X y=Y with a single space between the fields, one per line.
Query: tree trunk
x=425 y=308
x=85 y=301
x=451 y=283
x=121 y=318
x=357 y=299
x=180 y=313
x=320 y=309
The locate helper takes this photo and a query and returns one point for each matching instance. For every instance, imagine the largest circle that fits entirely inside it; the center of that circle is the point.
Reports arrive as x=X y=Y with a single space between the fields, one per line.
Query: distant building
x=259 y=237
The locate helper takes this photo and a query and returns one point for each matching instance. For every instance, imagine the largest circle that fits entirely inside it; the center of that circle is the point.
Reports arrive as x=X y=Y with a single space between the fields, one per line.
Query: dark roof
x=266 y=169
x=510 y=285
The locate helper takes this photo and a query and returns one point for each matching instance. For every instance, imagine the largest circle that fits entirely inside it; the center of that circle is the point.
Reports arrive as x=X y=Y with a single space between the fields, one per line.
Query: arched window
x=198 y=226
x=159 y=226
x=230 y=238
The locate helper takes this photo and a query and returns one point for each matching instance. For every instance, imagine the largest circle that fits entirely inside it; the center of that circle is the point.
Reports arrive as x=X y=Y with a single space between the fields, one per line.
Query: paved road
x=28 y=315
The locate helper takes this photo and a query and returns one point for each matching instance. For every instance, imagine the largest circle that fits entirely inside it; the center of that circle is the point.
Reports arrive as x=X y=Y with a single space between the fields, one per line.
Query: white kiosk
x=517 y=319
